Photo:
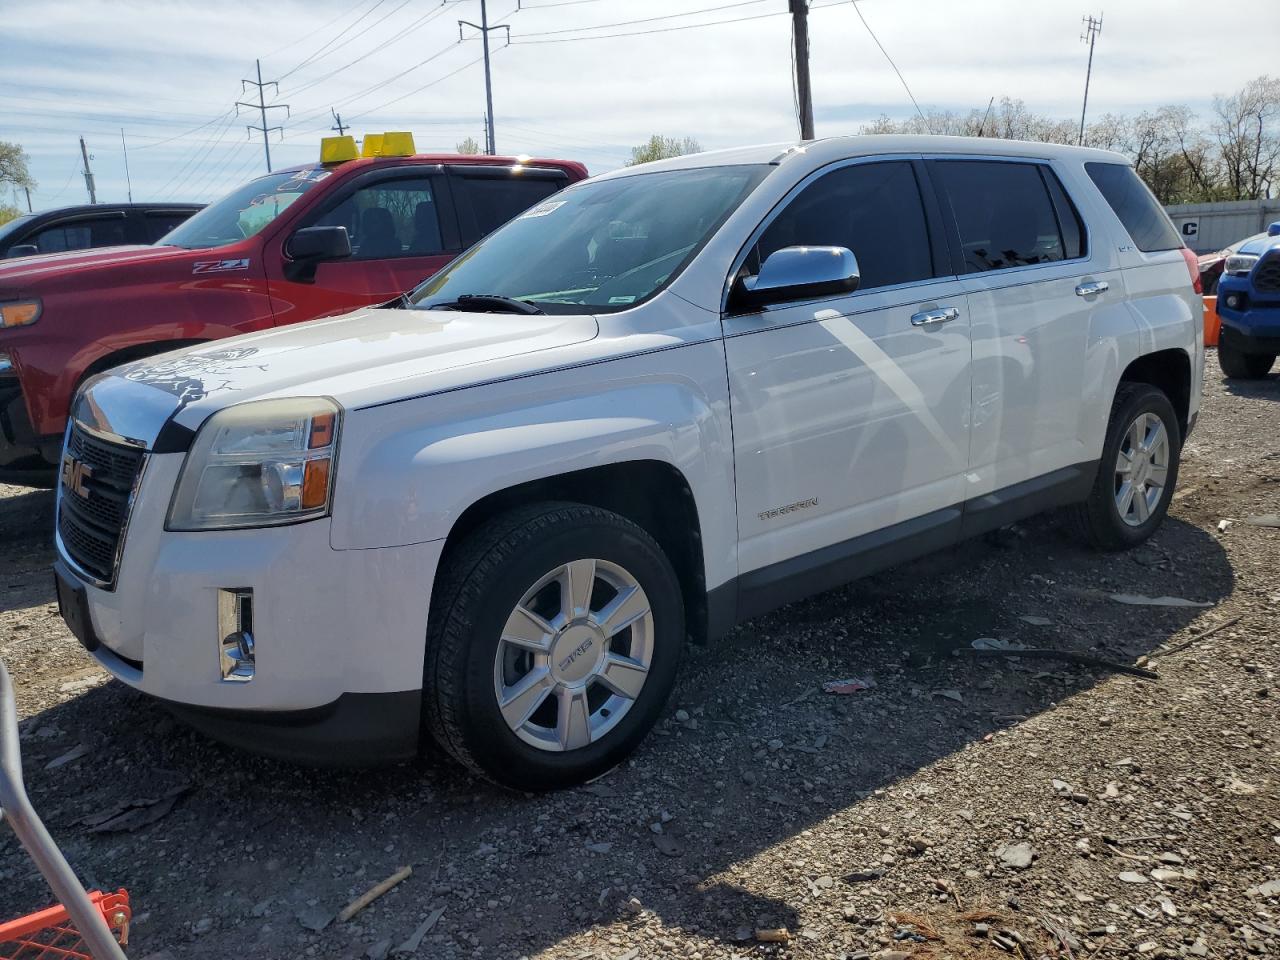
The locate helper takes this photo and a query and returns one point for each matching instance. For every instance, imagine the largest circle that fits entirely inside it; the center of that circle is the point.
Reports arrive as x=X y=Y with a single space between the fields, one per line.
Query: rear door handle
x=927 y=318
x=1092 y=287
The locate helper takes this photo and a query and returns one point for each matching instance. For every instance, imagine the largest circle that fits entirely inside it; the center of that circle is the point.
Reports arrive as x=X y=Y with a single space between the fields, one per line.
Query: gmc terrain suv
x=653 y=405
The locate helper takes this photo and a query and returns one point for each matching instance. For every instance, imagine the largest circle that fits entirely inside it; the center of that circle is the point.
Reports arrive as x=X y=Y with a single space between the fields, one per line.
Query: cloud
x=160 y=69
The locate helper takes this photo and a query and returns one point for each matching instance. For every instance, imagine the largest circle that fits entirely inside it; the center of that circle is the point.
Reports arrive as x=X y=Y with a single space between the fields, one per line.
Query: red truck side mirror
x=309 y=246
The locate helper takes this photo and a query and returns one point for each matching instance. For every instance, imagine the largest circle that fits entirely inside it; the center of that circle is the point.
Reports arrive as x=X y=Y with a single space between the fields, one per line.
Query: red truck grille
x=94 y=495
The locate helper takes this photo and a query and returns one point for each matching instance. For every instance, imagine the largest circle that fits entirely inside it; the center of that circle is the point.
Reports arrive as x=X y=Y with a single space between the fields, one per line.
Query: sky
x=580 y=79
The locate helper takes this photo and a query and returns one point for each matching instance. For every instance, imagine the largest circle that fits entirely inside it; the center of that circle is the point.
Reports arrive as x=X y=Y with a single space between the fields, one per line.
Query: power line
x=332 y=40
x=469 y=63
x=415 y=25
x=306 y=36
x=632 y=23
x=892 y=64
x=185 y=133
x=198 y=157
x=687 y=26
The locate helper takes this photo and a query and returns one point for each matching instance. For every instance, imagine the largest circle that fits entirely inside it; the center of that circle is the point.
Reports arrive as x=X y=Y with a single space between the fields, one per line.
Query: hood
x=360 y=359
x=22 y=274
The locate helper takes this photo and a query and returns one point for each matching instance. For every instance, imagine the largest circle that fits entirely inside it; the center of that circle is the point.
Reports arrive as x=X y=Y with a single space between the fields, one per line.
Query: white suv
x=664 y=401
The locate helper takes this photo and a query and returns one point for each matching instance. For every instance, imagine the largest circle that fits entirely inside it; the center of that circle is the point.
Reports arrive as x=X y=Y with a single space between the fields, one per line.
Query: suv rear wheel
x=1243 y=366
x=1138 y=470
x=555 y=637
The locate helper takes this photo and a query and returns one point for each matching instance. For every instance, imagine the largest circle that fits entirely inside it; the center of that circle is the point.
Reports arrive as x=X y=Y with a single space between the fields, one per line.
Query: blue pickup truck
x=1249 y=305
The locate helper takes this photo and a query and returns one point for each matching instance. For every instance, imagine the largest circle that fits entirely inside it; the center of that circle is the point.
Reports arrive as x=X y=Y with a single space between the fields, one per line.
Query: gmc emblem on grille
x=74 y=474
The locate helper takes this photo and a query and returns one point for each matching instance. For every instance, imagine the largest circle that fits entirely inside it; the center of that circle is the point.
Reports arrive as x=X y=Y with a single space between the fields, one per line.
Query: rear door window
x=159 y=223
x=1005 y=214
x=873 y=209
x=487 y=202
x=1149 y=226
x=81 y=235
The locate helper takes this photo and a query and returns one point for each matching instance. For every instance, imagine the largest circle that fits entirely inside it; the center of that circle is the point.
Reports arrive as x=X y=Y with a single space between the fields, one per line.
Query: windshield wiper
x=489 y=303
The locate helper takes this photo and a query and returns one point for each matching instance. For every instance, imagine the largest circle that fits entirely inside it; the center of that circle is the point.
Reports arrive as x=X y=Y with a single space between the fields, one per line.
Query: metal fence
x=1207 y=227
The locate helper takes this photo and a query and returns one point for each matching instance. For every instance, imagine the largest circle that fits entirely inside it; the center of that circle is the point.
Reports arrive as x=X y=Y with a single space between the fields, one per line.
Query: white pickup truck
x=661 y=402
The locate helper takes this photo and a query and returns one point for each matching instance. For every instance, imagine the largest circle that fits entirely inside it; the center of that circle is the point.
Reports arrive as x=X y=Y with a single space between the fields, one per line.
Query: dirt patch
x=963 y=806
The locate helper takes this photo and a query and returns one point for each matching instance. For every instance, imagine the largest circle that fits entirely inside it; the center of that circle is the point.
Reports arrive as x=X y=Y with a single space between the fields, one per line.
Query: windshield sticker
x=219 y=266
x=613 y=300
x=193 y=376
x=542 y=209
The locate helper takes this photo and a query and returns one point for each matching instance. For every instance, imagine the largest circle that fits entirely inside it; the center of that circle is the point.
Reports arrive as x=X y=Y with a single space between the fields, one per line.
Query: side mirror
x=1272 y=231
x=798 y=273
x=319 y=243
x=23 y=250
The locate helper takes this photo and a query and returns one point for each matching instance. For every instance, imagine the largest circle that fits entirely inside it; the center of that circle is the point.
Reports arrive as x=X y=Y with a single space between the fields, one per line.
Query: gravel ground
x=963 y=806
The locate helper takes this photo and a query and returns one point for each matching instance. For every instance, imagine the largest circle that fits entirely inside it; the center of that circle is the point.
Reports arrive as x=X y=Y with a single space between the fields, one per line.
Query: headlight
x=1240 y=263
x=259 y=464
x=19 y=313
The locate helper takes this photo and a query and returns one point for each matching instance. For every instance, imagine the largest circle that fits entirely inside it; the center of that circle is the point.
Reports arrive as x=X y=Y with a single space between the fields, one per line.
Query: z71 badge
x=219 y=266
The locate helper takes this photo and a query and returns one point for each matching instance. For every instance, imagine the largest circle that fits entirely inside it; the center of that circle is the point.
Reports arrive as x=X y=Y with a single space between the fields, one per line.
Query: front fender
x=408 y=470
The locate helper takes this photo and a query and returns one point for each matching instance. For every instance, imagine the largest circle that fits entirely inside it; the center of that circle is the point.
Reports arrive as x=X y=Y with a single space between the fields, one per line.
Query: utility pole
x=127 y=179
x=485 y=29
x=337 y=122
x=800 y=32
x=88 y=174
x=1092 y=28
x=262 y=108
x=28 y=192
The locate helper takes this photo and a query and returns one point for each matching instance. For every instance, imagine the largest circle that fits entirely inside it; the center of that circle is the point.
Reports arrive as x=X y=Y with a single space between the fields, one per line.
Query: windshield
x=244 y=211
x=6 y=229
x=605 y=245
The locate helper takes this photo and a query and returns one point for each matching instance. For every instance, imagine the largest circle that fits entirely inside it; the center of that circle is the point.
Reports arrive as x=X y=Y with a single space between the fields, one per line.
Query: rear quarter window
x=1145 y=220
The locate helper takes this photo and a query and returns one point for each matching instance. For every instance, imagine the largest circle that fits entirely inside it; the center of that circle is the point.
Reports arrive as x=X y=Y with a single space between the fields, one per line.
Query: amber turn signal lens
x=19 y=313
x=315 y=484
x=321 y=431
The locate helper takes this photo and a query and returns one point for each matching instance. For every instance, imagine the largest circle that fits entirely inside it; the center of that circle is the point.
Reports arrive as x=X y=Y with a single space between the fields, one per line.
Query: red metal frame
x=51 y=934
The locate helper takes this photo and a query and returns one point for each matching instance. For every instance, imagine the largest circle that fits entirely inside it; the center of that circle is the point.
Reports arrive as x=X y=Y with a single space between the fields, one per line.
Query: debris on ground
x=852 y=685
x=373 y=893
x=1137 y=599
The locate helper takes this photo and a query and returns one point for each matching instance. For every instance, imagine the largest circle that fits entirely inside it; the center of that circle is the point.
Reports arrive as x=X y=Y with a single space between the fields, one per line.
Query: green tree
x=660 y=148
x=469 y=146
x=8 y=213
x=13 y=166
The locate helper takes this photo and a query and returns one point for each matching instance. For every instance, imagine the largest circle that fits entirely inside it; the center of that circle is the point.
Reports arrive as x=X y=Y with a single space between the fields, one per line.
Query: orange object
x=1212 y=322
x=315 y=486
x=50 y=933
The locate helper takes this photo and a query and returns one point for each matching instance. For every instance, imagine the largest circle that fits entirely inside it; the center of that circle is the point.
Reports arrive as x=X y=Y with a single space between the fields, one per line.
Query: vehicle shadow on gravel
x=235 y=851
x=1267 y=388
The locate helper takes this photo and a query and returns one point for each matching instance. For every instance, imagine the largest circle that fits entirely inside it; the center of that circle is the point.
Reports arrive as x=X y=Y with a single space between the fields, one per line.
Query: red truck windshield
x=245 y=211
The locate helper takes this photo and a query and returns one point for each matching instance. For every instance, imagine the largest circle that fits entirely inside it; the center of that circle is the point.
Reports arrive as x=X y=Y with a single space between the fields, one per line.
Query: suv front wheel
x=1138 y=470
x=554 y=641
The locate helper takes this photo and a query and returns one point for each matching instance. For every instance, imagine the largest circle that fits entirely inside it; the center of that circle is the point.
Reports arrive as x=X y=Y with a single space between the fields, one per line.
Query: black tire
x=481 y=583
x=1098 y=518
x=1243 y=366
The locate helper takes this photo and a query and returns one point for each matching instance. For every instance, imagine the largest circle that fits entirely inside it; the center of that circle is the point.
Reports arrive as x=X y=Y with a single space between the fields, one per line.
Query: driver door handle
x=926 y=318
x=1091 y=287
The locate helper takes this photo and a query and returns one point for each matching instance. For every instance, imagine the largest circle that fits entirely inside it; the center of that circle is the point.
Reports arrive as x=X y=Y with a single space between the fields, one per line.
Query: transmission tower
x=262 y=107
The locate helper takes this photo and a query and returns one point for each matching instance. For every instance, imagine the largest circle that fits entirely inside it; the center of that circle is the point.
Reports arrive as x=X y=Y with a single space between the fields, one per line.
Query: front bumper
x=340 y=634
x=1255 y=328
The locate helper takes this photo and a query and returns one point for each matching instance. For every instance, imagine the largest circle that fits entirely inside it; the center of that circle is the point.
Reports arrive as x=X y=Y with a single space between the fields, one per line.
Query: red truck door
x=403 y=228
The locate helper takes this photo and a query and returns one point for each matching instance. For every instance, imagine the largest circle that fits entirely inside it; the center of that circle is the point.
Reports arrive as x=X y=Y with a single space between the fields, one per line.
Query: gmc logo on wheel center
x=582 y=648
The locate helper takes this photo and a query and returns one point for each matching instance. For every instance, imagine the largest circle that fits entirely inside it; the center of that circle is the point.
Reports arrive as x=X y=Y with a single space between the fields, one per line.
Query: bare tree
x=1247 y=127
x=468 y=146
x=659 y=147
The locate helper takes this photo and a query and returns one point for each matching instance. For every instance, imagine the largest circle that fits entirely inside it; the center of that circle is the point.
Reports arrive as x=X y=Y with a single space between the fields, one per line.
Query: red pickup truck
x=293 y=245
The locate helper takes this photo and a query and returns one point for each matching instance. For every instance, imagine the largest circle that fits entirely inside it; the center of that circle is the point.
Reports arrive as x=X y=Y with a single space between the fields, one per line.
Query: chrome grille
x=95 y=487
x=1266 y=277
